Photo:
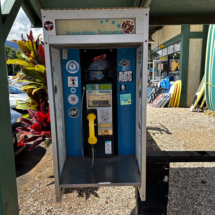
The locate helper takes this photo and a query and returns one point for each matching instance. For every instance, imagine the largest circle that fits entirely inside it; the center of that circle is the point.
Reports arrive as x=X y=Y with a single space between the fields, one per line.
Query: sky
x=22 y=25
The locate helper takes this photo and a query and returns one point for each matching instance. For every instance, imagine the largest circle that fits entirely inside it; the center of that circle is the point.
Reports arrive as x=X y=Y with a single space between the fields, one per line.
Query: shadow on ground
x=27 y=160
x=152 y=131
x=85 y=191
x=133 y=212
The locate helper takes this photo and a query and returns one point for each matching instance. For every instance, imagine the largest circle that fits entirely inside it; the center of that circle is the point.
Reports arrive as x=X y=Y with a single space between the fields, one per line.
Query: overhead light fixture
x=151 y=40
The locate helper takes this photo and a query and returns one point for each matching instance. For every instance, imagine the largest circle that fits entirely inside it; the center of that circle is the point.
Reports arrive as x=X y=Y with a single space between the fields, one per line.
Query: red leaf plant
x=38 y=126
x=42 y=55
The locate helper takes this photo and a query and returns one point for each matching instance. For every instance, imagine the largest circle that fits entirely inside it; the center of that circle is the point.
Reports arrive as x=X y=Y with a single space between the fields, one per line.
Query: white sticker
x=73 y=99
x=108 y=147
x=72 y=66
x=73 y=90
x=72 y=81
x=64 y=54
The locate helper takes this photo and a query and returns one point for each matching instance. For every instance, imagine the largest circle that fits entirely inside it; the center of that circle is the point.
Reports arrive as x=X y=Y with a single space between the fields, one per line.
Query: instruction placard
x=125 y=99
x=108 y=147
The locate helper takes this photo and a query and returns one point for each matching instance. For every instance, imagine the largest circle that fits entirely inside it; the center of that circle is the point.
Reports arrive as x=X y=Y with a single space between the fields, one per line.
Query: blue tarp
x=165 y=83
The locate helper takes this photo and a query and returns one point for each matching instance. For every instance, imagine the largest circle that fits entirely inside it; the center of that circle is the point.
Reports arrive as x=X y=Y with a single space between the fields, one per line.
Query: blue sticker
x=72 y=66
x=125 y=99
x=99 y=75
x=73 y=90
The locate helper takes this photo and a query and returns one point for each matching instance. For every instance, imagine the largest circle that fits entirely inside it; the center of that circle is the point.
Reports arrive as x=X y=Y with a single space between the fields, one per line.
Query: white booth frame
x=140 y=38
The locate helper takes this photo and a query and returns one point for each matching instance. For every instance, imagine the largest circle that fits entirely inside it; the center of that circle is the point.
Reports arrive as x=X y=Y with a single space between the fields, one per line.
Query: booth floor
x=191 y=185
x=109 y=171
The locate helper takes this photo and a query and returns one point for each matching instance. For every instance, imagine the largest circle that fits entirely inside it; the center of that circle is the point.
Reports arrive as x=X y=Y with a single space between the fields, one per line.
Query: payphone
x=99 y=78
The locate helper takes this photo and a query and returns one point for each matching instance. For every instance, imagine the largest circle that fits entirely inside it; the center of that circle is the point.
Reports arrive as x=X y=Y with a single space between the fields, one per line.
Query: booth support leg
x=157 y=184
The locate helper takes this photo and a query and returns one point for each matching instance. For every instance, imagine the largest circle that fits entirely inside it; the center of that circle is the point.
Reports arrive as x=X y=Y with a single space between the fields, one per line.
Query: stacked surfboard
x=171 y=99
x=176 y=94
x=210 y=69
x=199 y=101
x=205 y=95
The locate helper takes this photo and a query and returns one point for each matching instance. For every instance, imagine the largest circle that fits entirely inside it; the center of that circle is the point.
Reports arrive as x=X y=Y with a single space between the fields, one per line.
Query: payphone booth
x=96 y=62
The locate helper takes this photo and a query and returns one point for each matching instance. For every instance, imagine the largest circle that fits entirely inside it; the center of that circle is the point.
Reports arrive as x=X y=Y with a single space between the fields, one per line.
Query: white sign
x=64 y=54
x=108 y=147
x=160 y=66
x=72 y=81
x=95 y=26
x=73 y=99
x=72 y=66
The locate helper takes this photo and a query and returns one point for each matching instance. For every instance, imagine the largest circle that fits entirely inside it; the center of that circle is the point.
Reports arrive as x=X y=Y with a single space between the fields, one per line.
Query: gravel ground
x=178 y=129
x=38 y=197
x=191 y=185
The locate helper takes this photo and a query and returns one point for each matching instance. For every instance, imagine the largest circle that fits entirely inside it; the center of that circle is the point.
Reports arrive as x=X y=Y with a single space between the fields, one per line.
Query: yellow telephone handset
x=92 y=138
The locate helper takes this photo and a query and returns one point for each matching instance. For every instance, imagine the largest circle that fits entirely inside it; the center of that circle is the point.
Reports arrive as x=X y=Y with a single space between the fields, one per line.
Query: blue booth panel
x=72 y=99
x=126 y=61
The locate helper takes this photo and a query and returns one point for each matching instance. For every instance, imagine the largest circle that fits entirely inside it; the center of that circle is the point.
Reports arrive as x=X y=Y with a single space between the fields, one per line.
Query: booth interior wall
x=59 y=106
x=138 y=124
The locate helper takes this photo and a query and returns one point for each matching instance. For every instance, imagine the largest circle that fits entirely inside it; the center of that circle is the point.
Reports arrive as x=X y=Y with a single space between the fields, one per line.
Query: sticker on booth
x=72 y=81
x=73 y=112
x=48 y=25
x=73 y=99
x=124 y=63
x=125 y=99
x=99 y=75
x=99 y=58
x=108 y=147
x=65 y=54
x=127 y=26
x=73 y=90
x=72 y=66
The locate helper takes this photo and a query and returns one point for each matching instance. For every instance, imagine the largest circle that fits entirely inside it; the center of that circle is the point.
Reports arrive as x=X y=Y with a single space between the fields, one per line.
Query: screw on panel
x=146 y=14
x=43 y=16
x=46 y=42
x=145 y=40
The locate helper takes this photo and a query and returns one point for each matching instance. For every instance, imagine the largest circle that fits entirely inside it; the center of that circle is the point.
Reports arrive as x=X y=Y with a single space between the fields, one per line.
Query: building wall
x=192 y=62
x=192 y=58
x=165 y=34
x=194 y=67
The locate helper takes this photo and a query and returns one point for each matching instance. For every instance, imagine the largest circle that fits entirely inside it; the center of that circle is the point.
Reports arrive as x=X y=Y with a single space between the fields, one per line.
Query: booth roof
x=163 y=12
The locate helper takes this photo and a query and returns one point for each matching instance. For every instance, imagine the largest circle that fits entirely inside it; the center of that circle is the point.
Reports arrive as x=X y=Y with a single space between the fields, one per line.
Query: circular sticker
x=73 y=112
x=127 y=26
x=73 y=99
x=73 y=90
x=48 y=25
x=72 y=66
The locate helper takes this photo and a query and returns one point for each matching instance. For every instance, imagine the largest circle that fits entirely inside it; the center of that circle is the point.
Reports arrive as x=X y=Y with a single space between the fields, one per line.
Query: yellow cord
x=209 y=84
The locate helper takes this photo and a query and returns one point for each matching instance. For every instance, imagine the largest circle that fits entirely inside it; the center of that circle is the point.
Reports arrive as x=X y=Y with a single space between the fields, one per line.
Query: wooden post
x=8 y=189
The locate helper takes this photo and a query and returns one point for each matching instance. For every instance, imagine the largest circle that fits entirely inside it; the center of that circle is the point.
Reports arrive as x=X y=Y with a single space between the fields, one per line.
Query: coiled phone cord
x=81 y=135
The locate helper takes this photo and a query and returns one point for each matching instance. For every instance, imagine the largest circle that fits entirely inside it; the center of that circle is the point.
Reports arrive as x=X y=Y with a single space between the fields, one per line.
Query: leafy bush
x=34 y=74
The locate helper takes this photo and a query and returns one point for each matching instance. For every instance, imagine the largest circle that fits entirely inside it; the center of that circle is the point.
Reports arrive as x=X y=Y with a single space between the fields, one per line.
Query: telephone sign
x=72 y=81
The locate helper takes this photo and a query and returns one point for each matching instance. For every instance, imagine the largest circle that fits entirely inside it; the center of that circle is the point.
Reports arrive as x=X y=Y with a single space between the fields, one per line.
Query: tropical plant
x=38 y=126
x=33 y=72
x=32 y=64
